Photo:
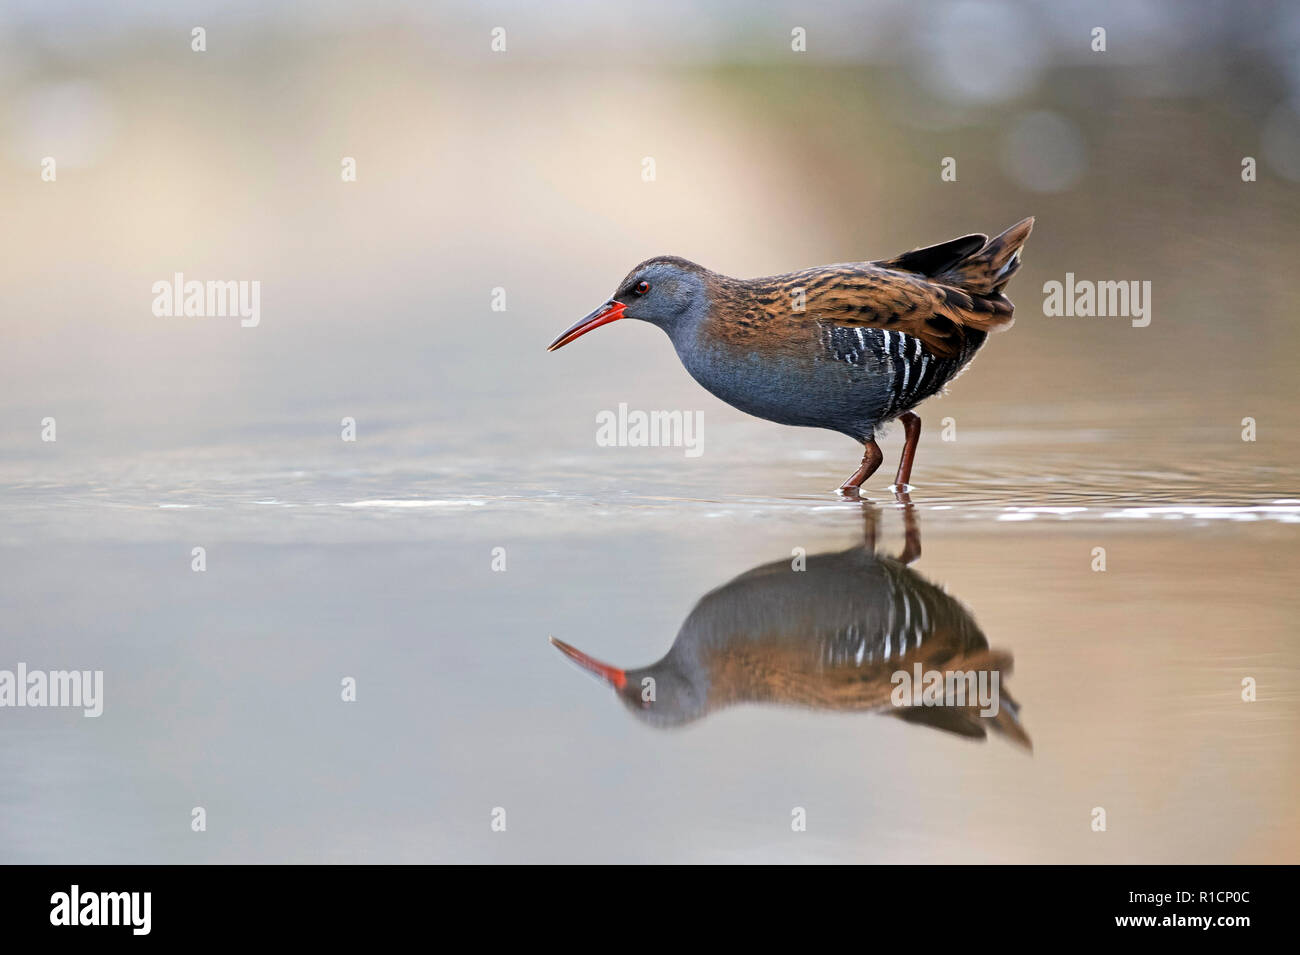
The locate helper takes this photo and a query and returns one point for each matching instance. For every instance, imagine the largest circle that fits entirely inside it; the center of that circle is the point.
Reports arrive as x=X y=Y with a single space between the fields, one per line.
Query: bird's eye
x=642 y=287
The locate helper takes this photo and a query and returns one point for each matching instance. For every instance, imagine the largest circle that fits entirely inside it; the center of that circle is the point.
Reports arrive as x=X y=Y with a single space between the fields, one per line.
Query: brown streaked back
x=783 y=312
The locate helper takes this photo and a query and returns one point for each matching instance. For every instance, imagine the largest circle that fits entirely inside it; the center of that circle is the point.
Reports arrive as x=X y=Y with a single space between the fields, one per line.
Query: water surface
x=223 y=687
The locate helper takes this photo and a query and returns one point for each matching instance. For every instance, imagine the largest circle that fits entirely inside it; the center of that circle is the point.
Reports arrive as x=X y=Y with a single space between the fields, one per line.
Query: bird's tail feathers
x=969 y=720
x=986 y=272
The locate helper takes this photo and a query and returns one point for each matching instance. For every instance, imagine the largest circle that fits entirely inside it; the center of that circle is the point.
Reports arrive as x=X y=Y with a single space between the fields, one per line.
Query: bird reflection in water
x=832 y=636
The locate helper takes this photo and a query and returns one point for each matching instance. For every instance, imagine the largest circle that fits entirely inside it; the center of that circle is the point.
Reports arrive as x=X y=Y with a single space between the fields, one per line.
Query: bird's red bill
x=612 y=675
x=609 y=312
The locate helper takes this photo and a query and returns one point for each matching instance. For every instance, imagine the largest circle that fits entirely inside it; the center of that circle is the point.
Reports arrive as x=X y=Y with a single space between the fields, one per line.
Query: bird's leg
x=911 y=436
x=870 y=524
x=871 y=458
x=911 y=531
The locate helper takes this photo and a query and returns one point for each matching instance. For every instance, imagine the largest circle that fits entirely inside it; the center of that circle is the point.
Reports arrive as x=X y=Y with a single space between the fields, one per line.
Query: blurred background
x=522 y=170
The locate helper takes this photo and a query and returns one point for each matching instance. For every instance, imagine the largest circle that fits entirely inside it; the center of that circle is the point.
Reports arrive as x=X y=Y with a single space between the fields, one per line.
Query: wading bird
x=834 y=635
x=844 y=347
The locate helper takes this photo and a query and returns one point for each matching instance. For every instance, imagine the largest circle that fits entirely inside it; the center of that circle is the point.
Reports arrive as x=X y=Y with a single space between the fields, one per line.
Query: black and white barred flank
x=915 y=372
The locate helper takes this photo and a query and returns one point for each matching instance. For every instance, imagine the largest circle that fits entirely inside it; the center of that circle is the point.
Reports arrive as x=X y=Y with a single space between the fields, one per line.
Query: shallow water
x=222 y=688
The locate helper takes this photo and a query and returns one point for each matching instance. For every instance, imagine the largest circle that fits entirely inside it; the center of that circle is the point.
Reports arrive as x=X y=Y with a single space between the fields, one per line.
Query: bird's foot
x=871 y=458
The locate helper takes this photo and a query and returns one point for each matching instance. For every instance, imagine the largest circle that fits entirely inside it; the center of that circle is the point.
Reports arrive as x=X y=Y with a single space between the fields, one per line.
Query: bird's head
x=665 y=694
x=665 y=291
